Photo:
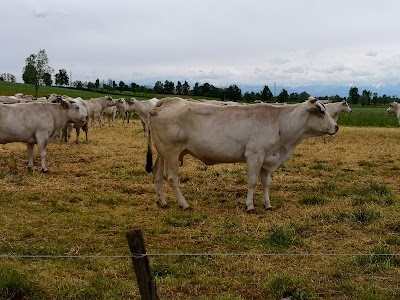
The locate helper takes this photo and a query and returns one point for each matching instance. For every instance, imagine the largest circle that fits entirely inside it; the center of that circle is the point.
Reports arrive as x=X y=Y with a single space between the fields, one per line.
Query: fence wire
x=140 y=255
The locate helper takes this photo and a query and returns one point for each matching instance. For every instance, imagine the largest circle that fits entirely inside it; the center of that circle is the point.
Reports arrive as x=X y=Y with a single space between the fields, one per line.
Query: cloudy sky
x=222 y=42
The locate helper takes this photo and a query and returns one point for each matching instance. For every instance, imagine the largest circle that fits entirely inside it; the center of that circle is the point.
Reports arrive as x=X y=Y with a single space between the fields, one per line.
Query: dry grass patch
x=339 y=197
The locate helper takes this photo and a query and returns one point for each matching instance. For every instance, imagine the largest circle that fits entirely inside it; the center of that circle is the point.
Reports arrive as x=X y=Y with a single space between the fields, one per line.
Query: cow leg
x=69 y=132
x=78 y=131
x=158 y=170
x=313 y=140
x=254 y=164
x=42 y=150
x=85 y=128
x=171 y=171
x=265 y=177
x=325 y=138
x=30 y=155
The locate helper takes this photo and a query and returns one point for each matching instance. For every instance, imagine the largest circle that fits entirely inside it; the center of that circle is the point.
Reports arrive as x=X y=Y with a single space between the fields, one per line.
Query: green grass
x=369 y=116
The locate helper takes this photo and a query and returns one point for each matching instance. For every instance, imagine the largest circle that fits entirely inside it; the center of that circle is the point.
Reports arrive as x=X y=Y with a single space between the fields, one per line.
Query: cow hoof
x=188 y=208
x=162 y=205
x=251 y=211
x=267 y=208
x=44 y=171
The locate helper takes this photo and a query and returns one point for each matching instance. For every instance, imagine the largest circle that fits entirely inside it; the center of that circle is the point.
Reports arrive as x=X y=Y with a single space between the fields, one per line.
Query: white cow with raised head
x=261 y=135
x=394 y=108
x=37 y=123
x=335 y=109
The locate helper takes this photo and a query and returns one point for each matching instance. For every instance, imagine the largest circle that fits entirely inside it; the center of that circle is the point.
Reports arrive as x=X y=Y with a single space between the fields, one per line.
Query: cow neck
x=292 y=124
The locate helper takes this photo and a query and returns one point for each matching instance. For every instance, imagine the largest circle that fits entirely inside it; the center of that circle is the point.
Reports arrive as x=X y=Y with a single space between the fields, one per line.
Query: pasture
x=336 y=206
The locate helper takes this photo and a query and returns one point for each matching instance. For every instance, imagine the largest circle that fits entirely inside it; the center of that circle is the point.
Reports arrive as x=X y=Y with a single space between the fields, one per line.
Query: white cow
x=262 y=135
x=142 y=109
x=67 y=131
x=96 y=106
x=394 y=108
x=335 y=109
x=111 y=111
x=37 y=123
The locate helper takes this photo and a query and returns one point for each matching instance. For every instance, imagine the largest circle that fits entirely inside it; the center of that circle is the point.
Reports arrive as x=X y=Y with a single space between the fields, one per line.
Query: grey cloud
x=371 y=53
x=296 y=69
x=279 y=61
x=40 y=13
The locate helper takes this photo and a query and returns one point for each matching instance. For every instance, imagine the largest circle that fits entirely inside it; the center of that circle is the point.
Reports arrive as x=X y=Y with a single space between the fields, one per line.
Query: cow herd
x=261 y=135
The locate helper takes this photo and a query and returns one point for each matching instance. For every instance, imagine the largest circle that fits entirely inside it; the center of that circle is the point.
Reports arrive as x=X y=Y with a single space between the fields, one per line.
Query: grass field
x=369 y=116
x=338 y=200
x=12 y=88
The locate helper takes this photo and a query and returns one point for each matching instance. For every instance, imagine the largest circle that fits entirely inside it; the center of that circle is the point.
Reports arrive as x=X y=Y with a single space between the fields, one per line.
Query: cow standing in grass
x=262 y=135
x=96 y=106
x=394 y=108
x=37 y=123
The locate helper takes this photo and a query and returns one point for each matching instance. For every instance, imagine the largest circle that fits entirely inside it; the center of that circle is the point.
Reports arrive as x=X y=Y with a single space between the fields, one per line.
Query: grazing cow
x=37 y=123
x=394 y=108
x=335 y=109
x=95 y=107
x=262 y=135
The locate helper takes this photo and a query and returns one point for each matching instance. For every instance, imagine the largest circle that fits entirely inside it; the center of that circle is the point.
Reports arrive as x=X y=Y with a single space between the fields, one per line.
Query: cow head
x=345 y=107
x=393 y=108
x=109 y=101
x=319 y=121
x=75 y=112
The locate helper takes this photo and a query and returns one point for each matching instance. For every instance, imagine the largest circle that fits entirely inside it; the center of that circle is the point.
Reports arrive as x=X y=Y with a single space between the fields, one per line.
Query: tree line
x=38 y=72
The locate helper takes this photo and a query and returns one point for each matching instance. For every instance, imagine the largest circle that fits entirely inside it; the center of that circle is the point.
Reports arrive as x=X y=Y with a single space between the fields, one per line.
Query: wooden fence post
x=147 y=285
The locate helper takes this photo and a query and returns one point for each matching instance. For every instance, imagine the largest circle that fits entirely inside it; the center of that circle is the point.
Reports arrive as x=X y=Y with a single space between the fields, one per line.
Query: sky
x=244 y=42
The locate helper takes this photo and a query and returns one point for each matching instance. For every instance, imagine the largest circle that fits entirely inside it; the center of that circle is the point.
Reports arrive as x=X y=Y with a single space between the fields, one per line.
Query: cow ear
x=64 y=104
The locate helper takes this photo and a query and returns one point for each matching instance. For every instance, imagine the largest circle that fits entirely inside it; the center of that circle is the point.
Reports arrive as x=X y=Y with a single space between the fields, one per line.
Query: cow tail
x=149 y=156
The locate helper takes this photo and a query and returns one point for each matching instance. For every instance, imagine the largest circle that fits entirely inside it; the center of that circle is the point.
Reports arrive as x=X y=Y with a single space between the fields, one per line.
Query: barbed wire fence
x=140 y=259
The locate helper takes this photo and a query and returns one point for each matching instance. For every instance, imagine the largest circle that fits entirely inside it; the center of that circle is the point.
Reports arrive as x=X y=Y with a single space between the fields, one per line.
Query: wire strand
x=141 y=255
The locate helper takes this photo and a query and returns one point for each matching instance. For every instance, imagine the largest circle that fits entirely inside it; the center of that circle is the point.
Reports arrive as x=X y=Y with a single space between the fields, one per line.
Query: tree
x=303 y=96
x=47 y=79
x=62 y=78
x=266 y=94
x=185 y=88
x=353 y=95
x=294 y=97
x=367 y=95
x=37 y=65
x=233 y=93
x=196 y=89
x=283 y=96
x=97 y=84
x=169 y=87
x=179 y=88
x=364 y=100
x=159 y=88
x=78 y=85
x=7 y=77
